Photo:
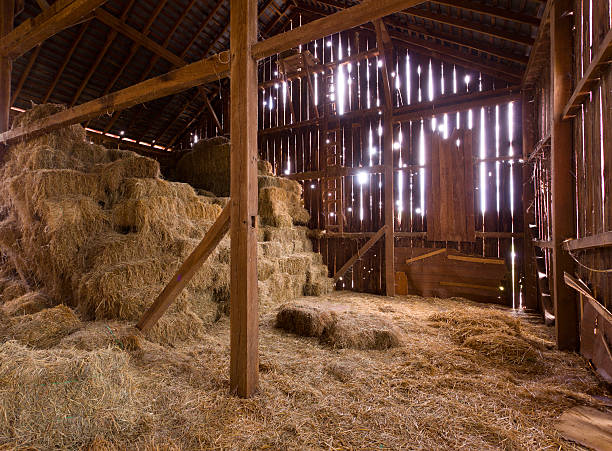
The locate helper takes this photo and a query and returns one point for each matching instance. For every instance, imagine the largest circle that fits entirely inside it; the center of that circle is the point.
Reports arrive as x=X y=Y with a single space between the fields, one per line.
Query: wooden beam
x=589 y=242
x=383 y=42
x=424 y=256
x=562 y=185
x=602 y=61
x=194 y=74
x=453 y=103
x=7 y=9
x=187 y=270
x=342 y=20
x=491 y=261
x=244 y=317
x=365 y=248
x=57 y=17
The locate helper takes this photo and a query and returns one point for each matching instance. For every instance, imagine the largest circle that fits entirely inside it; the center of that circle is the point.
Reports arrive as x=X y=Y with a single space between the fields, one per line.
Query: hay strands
x=187 y=270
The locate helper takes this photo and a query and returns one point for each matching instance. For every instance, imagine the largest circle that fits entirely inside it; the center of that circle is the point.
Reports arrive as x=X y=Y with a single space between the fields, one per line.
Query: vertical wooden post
x=244 y=319
x=383 y=41
x=529 y=267
x=566 y=307
x=7 y=13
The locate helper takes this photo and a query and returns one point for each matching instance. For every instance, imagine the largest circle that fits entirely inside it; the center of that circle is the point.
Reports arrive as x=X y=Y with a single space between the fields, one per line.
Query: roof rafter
x=57 y=17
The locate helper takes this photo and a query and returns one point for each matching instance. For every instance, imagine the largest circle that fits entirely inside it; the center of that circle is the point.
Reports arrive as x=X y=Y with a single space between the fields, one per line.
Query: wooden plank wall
x=294 y=145
x=593 y=149
x=592 y=152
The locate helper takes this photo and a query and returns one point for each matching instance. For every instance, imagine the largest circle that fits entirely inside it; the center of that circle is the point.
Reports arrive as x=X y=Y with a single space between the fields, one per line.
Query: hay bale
x=98 y=230
x=64 y=399
x=361 y=332
x=337 y=326
x=207 y=166
x=303 y=319
x=46 y=328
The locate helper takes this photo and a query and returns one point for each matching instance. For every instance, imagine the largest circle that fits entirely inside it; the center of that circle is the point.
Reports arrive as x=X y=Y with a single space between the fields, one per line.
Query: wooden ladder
x=332 y=193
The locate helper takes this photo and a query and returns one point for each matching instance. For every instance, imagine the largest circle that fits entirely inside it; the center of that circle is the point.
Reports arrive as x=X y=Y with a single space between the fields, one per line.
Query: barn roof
x=127 y=41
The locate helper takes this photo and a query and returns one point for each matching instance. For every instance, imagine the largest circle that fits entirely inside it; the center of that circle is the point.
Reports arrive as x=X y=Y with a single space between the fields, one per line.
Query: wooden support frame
x=57 y=17
x=365 y=248
x=244 y=317
x=565 y=303
x=383 y=42
x=187 y=270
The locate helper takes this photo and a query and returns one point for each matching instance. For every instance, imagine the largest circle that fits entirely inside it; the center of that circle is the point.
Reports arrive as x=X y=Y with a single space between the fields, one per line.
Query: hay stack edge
x=99 y=230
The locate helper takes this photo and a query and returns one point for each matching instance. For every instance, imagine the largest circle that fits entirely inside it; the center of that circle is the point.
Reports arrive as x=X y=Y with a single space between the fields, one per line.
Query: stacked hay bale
x=287 y=267
x=100 y=231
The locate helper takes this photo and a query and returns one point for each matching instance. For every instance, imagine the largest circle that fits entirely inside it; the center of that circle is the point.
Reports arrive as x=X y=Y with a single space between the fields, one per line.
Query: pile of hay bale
x=98 y=230
x=338 y=326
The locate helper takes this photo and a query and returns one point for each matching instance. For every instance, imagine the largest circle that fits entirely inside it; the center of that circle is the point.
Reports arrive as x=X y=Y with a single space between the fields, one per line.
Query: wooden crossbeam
x=365 y=248
x=490 y=261
x=198 y=73
x=342 y=20
x=57 y=17
x=602 y=60
x=598 y=240
x=187 y=270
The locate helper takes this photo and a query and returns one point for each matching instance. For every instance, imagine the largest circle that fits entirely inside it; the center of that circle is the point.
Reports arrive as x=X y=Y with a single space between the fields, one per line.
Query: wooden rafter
x=59 y=16
x=342 y=20
x=493 y=11
x=449 y=54
x=102 y=53
x=59 y=73
x=194 y=74
x=25 y=74
x=456 y=22
x=405 y=27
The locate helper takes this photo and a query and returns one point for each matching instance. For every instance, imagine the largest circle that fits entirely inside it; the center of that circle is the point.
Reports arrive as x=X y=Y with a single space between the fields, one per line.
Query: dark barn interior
x=320 y=224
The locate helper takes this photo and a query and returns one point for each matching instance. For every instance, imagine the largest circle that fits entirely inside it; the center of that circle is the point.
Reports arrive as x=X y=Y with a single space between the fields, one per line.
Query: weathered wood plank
x=365 y=248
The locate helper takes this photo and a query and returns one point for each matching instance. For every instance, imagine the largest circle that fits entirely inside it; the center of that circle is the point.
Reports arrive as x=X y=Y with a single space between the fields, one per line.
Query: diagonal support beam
x=365 y=248
x=187 y=270
x=59 y=16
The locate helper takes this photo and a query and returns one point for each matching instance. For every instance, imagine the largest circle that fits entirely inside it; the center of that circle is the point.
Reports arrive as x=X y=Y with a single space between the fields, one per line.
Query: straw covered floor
x=99 y=389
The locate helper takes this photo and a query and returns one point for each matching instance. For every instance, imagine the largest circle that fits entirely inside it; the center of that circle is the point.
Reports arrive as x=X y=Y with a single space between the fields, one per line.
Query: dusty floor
x=429 y=393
